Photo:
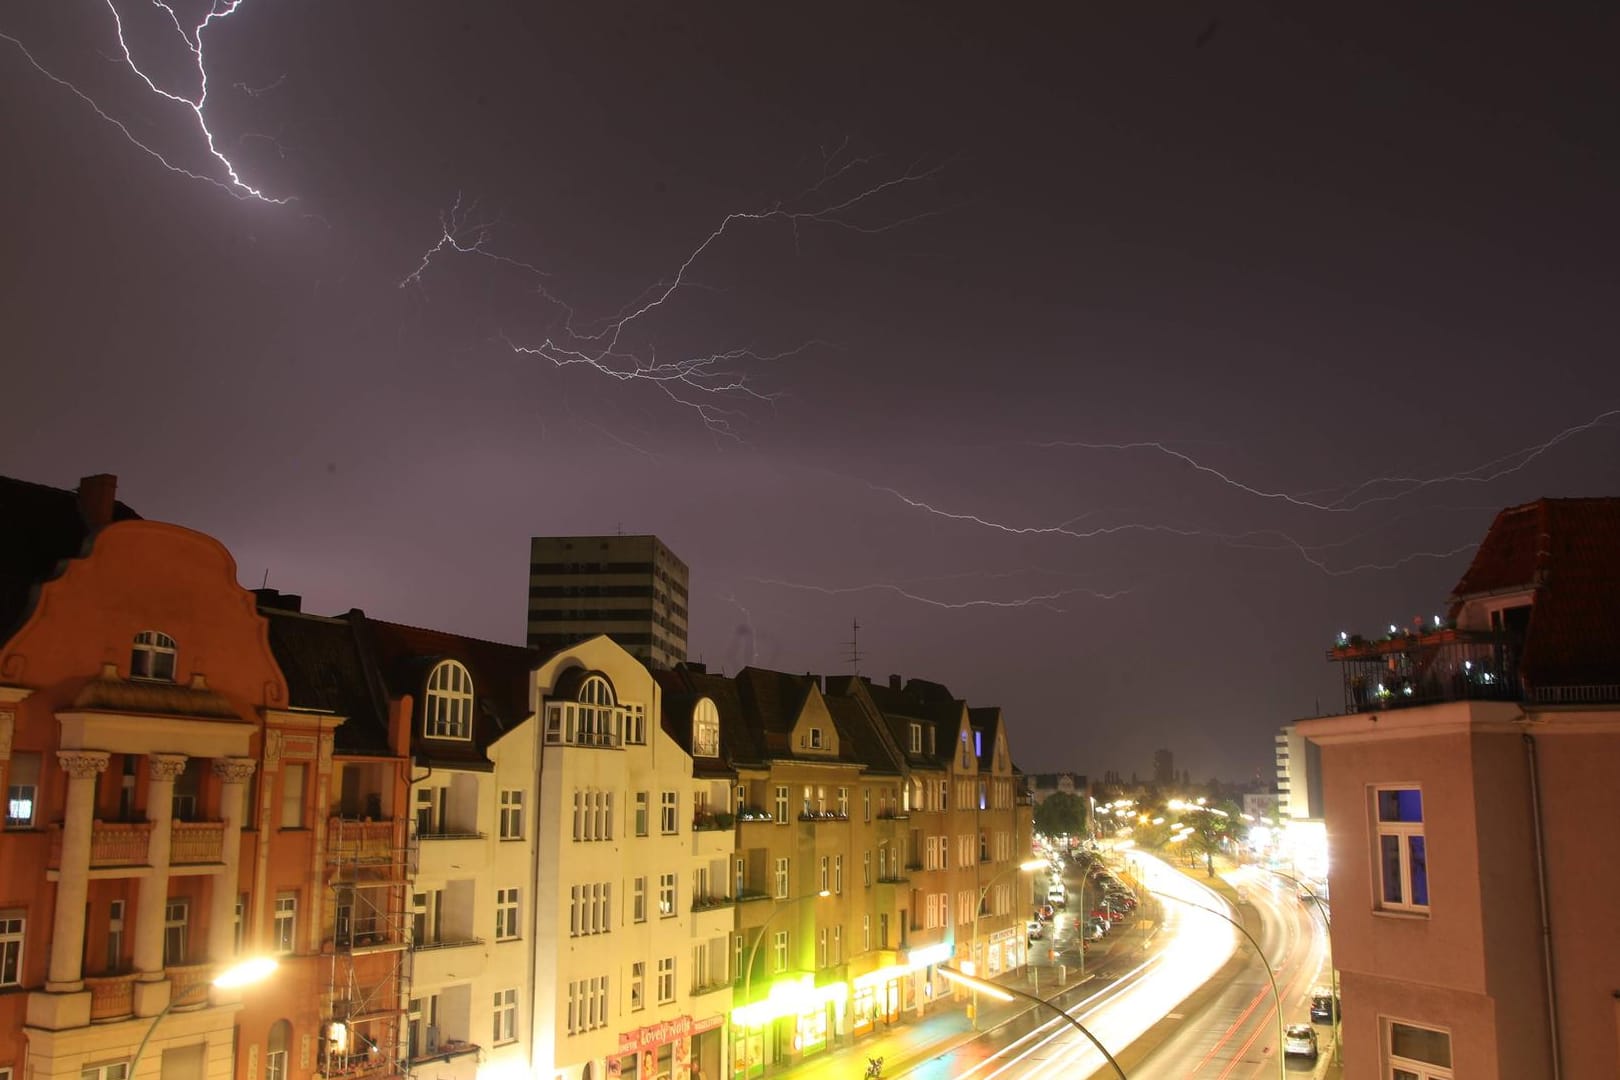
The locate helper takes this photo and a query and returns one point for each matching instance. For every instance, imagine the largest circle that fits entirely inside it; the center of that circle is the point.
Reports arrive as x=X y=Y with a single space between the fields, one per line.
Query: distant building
x=1299 y=775
x=630 y=588
x=1469 y=796
x=1042 y=786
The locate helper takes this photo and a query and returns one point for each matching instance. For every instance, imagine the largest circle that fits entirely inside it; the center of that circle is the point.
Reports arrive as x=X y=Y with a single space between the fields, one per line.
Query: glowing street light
x=1023 y=867
x=238 y=975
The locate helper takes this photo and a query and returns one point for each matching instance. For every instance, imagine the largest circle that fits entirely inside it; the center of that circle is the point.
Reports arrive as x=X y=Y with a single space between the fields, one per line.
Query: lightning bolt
x=233 y=184
x=1483 y=473
x=716 y=386
x=1046 y=600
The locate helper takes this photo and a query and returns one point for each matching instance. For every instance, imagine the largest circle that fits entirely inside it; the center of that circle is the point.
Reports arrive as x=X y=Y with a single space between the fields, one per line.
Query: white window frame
x=1423 y=1070
x=504 y=1028
x=22 y=790
x=667 y=898
x=107 y=1070
x=666 y=980
x=781 y=877
x=13 y=933
x=1402 y=833
x=779 y=951
x=781 y=804
x=507 y=914
x=153 y=656
x=915 y=744
x=669 y=821
x=284 y=924
x=512 y=814
x=643 y=812
x=638 y=985
x=638 y=899
x=176 y=916
x=447 y=706
x=705 y=729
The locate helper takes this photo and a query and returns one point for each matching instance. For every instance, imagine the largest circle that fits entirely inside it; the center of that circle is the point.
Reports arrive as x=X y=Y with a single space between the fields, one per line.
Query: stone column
x=233 y=773
x=154 y=890
x=73 y=888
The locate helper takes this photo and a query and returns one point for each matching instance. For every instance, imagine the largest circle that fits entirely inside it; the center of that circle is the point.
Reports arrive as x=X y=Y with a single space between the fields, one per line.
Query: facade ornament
x=8 y=725
x=272 y=747
x=165 y=766
x=83 y=764
x=235 y=770
x=325 y=753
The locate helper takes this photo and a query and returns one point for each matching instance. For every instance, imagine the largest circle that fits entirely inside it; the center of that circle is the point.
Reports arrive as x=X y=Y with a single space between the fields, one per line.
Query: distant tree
x=1213 y=829
x=1058 y=814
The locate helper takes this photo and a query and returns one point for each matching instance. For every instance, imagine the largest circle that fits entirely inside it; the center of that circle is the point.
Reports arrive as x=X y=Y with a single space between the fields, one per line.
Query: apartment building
x=629 y=588
x=1468 y=790
x=164 y=784
x=627 y=905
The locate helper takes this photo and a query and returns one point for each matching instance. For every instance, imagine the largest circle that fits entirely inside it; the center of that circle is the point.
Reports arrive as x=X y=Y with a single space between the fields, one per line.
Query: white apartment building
x=620 y=987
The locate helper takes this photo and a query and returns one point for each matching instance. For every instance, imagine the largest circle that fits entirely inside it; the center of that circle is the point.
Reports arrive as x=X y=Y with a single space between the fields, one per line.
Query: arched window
x=595 y=711
x=705 y=729
x=275 y=1058
x=449 y=702
x=152 y=656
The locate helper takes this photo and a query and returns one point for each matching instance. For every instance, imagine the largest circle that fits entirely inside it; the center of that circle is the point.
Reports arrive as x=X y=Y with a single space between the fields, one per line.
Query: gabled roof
x=987 y=721
x=1567 y=553
x=43 y=527
x=682 y=686
x=925 y=702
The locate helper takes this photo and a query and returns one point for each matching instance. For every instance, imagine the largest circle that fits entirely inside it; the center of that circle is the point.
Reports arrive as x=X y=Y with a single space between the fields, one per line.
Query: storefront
x=796 y=1019
x=657 y=1051
x=1006 y=952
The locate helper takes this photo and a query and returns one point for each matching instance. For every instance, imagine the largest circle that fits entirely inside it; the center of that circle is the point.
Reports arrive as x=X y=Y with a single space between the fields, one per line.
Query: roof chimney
x=96 y=497
x=277 y=600
x=894 y=682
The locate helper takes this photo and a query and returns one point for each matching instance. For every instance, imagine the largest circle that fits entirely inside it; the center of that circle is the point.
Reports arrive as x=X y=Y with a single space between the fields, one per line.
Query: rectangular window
x=641 y=813
x=638 y=899
x=700 y=967
x=638 y=985
x=666 y=896
x=174 y=932
x=113 y=1070
x=838 y=873
x=866 y=803
x=12 y=927
x=512 y=814
x=286 y=922
x=22 y=790
x=666 y=980
x=506 y=914
x=667 y=820
x=292 y=796
x=916 y=738
x=781 y=878
x=824 y=875
x=821 y=947
x=838 y=944
x=779 y=950
x=1403 y=865
x=866 y=869
x=1418 y=1053
x=781 y=804
x=866 y=932
x=505 y=1027
x=587 y=1004
x=843 y=802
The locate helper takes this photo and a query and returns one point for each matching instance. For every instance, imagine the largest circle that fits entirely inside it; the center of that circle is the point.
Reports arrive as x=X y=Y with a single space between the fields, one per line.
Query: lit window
x=666 y=895
x=449 y=707
x=22 y=790
x=1403 y=864
x=916 y=738
x=152 y=656
x=705 y=729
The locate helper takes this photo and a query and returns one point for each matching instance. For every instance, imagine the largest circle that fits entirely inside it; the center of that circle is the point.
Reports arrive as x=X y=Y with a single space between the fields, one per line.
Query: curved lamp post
x=1007 y=993
x=1261 y=953
x=1333 y=972
x=1023 y=867
x=779 y=906
x=244 y=973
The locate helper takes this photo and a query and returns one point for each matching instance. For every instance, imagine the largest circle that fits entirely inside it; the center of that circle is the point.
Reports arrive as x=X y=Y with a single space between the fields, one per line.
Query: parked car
x=1045 y=912
x=1323 y=1005
x=1100 y=915
x=1056 y=896
x=1299 y=1040
x=1036 y=930
x=1096 y=929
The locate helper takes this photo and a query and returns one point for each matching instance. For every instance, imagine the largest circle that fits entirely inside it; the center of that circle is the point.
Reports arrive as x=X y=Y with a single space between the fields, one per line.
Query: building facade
x=1467 y=790
x=630 y=588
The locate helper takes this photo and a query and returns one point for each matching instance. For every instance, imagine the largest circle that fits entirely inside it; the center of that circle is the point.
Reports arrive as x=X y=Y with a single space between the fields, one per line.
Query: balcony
x=187 y=983
x=713 y=834
x=712 y=916
x=1407 y=670
x=360 y=843
x=824 y=817
x=196 y=842
x=443 y=961
x=113 y=844
x=112 y=997
x=440 y=851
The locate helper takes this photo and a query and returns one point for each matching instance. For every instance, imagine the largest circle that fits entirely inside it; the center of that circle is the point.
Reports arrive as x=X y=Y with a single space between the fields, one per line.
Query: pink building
x=1471 y=798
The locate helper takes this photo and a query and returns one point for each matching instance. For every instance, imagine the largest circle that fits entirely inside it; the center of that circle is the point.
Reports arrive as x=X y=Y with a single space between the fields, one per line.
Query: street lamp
x=1007 y=993
x=243 y=973
x=1261 y=953
x=1333 y=972
x=1023 y=867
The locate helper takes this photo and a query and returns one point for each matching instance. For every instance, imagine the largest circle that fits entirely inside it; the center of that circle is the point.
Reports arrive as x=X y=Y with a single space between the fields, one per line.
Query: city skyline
x=1104 y=366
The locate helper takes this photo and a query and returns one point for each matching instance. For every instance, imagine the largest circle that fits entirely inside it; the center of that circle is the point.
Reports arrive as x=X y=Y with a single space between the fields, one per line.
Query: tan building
x=1470 y=796
x=629 y=588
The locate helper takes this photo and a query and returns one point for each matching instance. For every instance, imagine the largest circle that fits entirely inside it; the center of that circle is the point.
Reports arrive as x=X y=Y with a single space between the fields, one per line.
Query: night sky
x=1318 y=290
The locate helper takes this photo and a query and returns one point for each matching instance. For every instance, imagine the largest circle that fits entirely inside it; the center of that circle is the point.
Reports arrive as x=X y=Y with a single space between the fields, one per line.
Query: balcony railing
x=710 y=903
x=112 y=843
x=823 y=815
x=1407 y=670
x=112 y=997
x=196 y=842
x=185 y=983
x=445 y=943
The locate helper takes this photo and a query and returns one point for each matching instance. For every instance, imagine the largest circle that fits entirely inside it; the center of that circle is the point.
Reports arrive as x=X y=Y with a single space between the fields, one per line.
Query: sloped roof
x=1567 y=551
x=43 y=527
x=986 y=719
x=740 y=743
x=326 y=669
x=925 y=702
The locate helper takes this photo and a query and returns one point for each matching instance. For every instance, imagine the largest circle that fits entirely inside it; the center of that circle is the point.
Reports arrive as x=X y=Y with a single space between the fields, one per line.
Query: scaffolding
x=367 y=937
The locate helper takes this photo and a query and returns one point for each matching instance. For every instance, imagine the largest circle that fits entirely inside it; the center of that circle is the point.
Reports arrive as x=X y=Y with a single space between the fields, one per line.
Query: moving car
x=1036 y=930
x=1045 y=912
x=1057 y=896
x=1300 y=1041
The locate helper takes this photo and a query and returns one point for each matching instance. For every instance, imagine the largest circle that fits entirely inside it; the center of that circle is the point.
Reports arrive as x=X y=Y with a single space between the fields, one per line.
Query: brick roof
x=1567 y=551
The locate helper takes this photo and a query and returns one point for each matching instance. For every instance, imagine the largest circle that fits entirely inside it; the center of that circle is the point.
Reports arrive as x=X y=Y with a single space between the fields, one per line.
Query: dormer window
x=812 y=739
x=705 y=730
x=916 y=738
x=449 y=708
x=152 y=656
